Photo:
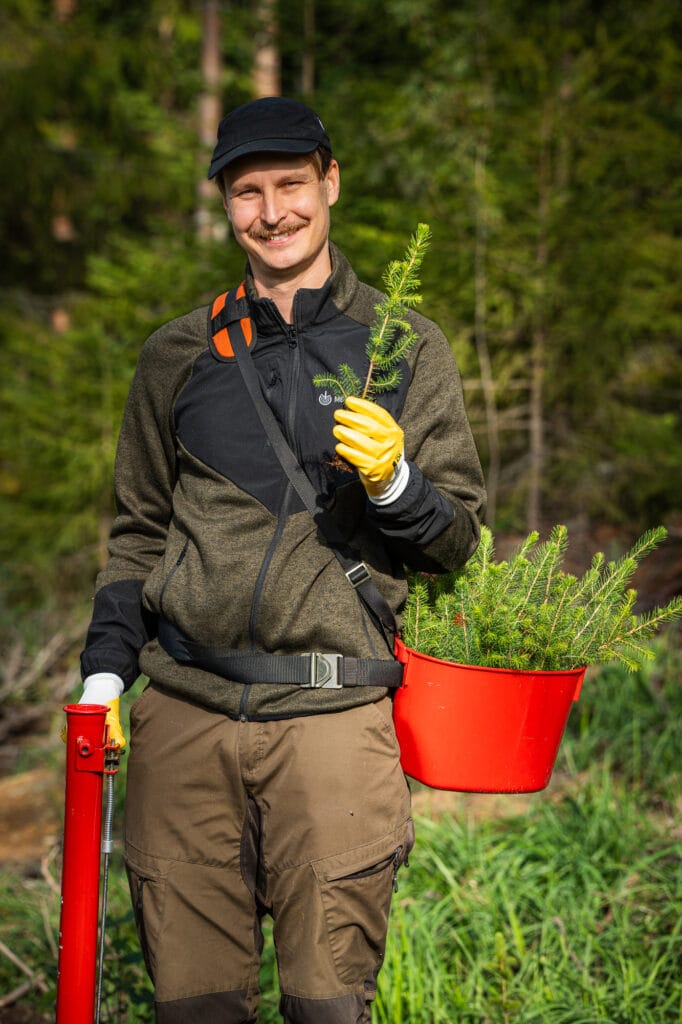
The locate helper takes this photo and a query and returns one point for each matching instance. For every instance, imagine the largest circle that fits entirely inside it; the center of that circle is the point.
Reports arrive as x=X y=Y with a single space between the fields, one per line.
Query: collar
x=311 y=305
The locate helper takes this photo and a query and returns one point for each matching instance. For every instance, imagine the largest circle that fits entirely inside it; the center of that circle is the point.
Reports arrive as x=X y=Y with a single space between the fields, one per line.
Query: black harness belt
x=313 y=669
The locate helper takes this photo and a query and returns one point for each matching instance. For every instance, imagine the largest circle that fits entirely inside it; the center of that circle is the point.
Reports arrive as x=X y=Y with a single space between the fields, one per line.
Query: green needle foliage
x=526 y=613
x=391 y=336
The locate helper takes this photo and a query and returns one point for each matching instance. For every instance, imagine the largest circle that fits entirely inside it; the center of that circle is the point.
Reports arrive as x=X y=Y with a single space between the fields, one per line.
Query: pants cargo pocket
x=355 y=890
x=148 y=894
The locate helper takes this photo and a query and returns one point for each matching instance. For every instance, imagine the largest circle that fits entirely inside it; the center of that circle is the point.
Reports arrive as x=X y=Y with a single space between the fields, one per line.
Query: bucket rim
x=573 y=673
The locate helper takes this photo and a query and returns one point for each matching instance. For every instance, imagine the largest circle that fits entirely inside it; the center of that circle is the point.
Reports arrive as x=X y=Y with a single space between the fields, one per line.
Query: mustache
x=268 y=233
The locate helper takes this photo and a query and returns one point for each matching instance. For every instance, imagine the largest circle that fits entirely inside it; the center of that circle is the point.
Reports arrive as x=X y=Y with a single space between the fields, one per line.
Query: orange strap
x=221 y=339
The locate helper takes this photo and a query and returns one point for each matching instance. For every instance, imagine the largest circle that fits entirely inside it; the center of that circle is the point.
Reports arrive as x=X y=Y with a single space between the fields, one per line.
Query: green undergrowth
x=567 y=913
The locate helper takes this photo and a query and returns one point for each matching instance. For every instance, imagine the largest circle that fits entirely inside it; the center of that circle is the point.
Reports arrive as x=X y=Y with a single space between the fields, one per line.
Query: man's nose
x=272 y=208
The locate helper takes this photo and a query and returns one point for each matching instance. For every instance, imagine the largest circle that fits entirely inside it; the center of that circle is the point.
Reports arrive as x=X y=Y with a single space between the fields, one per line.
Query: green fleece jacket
x=209 y=533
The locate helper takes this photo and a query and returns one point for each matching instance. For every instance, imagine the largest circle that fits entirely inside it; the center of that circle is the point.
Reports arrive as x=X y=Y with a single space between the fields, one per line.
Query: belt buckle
x=324 y=671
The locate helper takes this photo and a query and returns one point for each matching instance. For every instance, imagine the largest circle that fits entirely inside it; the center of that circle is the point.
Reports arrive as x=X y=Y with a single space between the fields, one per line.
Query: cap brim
x=218 y=163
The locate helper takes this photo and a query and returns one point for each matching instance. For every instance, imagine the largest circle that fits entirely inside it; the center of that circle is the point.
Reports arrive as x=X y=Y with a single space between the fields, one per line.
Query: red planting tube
x=85 y=756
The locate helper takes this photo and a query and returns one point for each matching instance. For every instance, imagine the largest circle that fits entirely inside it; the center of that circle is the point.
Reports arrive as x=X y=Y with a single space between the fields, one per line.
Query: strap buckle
x=324 y=671
x=358 y=574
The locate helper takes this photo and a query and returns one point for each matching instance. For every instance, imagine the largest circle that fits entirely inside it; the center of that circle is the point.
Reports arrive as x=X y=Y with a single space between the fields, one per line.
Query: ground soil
x=30 y=815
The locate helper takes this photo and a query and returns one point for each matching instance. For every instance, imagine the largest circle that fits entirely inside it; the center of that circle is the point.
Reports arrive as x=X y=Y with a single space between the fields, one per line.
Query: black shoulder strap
x=357 y=573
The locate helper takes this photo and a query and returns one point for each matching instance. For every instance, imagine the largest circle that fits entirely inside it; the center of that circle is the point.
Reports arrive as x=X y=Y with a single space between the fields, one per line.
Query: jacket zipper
x=292 y=397
x=178 y=562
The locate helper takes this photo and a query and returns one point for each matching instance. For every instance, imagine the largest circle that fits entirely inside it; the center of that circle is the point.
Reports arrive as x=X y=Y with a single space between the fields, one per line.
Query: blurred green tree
x=540 y=142
x=542 y=145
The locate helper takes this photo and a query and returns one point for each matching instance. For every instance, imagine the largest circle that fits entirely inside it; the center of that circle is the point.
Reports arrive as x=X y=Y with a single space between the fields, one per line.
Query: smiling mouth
x=276 y=236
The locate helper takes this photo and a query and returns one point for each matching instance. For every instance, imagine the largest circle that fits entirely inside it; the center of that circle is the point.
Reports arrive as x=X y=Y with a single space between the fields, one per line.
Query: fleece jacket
x=209 y=533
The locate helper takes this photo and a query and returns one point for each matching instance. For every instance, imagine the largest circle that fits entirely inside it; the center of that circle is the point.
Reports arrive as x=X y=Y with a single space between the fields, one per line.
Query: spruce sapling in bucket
x=527 y=613
x=495 y=655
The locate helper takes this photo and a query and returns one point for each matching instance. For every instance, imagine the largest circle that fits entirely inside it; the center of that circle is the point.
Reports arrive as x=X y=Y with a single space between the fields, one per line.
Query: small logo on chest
x=326 y=398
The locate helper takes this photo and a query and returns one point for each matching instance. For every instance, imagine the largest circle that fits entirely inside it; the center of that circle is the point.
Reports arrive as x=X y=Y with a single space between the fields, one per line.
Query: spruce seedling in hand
x=391 y=336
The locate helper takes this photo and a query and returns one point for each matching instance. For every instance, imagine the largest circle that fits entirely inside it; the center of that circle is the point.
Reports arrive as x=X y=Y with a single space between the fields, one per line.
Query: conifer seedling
x=528 y=614
x=390 y=337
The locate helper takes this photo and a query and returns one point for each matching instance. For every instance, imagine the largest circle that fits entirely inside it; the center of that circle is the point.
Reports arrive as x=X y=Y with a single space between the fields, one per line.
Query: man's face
x=279 y=211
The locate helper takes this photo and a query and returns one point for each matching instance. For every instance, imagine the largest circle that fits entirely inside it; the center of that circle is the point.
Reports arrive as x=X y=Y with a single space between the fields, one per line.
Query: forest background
x=541 y=142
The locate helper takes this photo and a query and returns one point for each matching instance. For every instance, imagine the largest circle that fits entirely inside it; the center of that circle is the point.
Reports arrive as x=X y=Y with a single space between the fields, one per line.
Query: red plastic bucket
x=480 y=730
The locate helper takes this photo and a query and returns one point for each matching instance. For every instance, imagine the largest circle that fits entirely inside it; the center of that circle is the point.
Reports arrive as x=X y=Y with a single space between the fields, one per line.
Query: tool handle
x=87 y=761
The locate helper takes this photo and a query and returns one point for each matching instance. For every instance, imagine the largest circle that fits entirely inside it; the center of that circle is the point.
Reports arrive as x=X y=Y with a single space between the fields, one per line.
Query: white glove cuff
x=101 y=687
x=396 y=485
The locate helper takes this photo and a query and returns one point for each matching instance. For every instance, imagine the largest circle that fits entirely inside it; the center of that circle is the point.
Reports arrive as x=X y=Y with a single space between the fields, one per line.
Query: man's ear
x=332 y=182
x=223 y=193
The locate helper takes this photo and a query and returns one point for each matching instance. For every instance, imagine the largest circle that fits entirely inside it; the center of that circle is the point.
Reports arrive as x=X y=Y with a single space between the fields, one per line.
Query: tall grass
x=570 y=913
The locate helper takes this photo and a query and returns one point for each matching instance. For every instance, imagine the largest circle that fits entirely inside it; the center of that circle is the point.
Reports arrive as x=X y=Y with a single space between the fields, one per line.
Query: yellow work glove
x=113 y=721
x=371 y=440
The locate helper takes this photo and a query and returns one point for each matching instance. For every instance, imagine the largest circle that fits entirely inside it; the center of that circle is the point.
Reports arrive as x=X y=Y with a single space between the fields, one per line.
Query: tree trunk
x=492 y=419
x=63 y=229
x=266 y=66
x=64 y=9
x=536 y=450
x=308 y=64
x=480 y=332
x=210 y=224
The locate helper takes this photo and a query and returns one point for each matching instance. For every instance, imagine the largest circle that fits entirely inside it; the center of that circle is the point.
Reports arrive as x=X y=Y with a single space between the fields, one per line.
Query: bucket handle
x=578 y=687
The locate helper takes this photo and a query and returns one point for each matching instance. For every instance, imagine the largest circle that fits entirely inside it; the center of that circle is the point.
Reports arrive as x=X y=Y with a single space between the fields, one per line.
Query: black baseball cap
x=269 y=125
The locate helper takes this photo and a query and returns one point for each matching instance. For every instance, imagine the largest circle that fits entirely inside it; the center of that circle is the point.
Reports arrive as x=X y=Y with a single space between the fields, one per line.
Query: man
x=256 y=784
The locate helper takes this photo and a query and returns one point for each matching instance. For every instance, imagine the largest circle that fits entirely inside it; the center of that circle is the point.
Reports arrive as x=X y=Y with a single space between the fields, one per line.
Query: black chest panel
x=215 y=419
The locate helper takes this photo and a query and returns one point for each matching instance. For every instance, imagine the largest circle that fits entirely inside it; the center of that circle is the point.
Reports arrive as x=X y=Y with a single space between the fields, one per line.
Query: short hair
x=321 y=159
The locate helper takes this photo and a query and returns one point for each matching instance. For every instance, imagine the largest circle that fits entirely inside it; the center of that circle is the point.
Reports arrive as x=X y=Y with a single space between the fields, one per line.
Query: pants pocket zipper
x=376 y=869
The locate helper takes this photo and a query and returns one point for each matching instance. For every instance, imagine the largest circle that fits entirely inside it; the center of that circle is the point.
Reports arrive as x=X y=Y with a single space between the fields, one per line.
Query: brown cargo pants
x=307 y=819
